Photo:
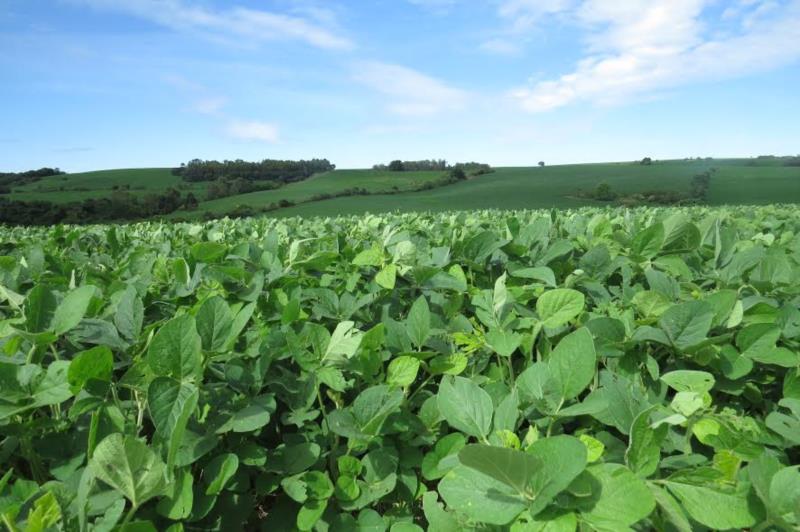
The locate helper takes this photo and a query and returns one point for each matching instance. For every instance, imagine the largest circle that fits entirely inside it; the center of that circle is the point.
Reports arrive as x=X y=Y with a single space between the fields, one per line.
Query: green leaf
x=369 y=257
x=503 y=342
x=687 y=324
x=40 y=306
x=541 y=273
x=386 y=278
x=239 y=323
x=310 y=513
x=689 y=381
x=343 y=344
x=757 y=342
x=562 y=459
x=713 y=508
x=95 y=364
x=177 y=504
x=572 y=363
x=557 y=307
x=373 y=406
x=171 y=404
x=623 y=501
x=293 y=459
x=481 y=497
x=418 y=322
x=671 y=508
x=333 y=378
x=442 y=458
x=255 y=415
x=513 y=468
x=644 y=445
x=130 y=467
x=45 y=514
x=594 y=447
x=784 y=492
x=647 y=243
x=214 y=320
x=72 y=309
x=547 y=521
x=465 y=406
x=129 y=316
x=219 y=471
x=402 y=371
x=439 y=520
x=175 y=349
x=687 y=403
x=208 y=251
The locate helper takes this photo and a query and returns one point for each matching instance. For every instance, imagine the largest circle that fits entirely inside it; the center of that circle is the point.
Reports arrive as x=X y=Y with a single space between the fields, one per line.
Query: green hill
x=79 y=186
x=519 y=188
x=736 y=181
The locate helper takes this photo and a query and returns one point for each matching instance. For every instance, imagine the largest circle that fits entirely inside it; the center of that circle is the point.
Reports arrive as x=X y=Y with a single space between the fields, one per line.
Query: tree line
x=433 y=165
x=698 y=193
x=119 y=206
x=13 y=179
x=267 y=170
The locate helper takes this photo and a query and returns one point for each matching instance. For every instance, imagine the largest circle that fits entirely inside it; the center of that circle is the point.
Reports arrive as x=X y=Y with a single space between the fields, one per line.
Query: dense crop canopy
x=597 y=369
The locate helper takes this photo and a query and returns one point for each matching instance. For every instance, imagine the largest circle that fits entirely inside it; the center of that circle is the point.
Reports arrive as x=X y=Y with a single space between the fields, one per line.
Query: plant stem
x=129 y=515
x=7 y=521
x=510 y=371
x=420 y=387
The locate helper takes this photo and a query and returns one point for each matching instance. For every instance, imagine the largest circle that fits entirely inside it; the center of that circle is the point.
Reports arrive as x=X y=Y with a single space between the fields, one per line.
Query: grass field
x=555 y=186
x=735 y=182
x=327 y=183
x=80 y=186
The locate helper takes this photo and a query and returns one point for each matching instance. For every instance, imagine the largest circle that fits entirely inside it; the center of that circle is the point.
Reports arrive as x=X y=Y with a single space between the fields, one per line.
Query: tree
x=458 y=173
x=541 y=164
x=647 y=161
x=603 y=192
x=396 y=166
x=190 y=203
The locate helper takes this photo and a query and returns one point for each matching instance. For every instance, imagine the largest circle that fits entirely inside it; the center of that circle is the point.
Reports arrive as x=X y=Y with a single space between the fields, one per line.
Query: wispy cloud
x=521 y=18
x=206 y=102
x=407 y=91
x=253 y=131
x=232 y=23
x=437 y=6
x=643 y=47
x=211 y=105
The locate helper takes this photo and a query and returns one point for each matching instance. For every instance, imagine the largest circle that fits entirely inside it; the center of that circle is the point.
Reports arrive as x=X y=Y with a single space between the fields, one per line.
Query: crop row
x=595 y=369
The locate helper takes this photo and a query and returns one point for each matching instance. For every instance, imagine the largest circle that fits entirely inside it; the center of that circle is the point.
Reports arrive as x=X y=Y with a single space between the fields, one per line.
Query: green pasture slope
x=98 y=184
x=555 y=186
x=327 y=183
x=735 y=182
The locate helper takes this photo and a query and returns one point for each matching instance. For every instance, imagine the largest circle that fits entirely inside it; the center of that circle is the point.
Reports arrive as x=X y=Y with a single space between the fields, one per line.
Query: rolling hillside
x=555 y=186
x=736 y=181
x=79 y=186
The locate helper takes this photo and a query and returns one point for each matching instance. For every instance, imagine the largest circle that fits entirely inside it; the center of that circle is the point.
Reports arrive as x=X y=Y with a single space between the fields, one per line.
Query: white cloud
x=642 y=47
x=233 y=23
x=205 y=102
x=526 y=14
x=210 y=106
x=522 y=18
x=407 y=91
x=253 y=131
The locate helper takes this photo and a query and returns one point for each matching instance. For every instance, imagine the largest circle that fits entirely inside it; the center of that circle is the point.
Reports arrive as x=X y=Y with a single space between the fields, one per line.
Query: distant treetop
x=266 y=170
x=434 y=165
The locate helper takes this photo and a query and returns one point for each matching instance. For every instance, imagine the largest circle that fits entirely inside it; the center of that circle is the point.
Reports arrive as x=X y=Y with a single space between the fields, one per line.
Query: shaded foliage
x=266 y=170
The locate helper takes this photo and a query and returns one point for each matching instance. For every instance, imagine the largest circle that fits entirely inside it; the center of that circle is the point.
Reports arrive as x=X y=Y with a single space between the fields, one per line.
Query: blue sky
x=91 y=84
